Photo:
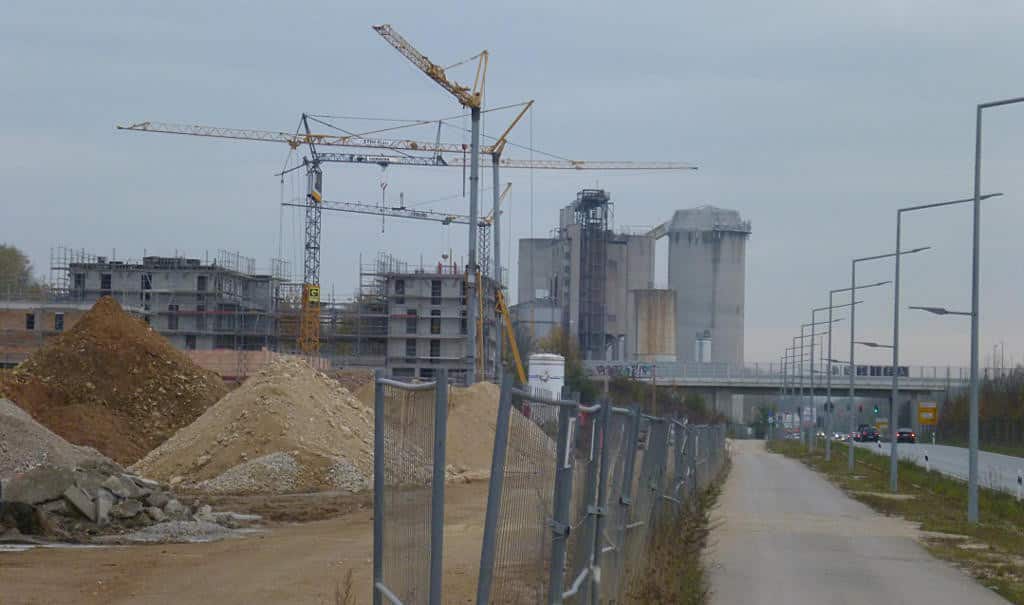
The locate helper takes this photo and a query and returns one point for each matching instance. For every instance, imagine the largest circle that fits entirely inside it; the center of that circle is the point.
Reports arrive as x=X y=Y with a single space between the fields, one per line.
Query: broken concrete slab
x=41 y=484
x=145 y=483
x=55 y=507
x=158 y=499
x=156 y=514
x=126 y=509
x=176 y=510
x=120 y=487
x=81 y=501
x=104 y=502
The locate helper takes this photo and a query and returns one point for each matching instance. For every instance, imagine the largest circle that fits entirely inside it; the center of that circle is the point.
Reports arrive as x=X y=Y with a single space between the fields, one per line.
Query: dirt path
x=292 y=564
x=784 y=534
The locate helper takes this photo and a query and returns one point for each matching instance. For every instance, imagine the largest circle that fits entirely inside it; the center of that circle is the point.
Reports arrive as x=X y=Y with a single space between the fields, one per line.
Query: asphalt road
x=995 y=471
x=783 y=534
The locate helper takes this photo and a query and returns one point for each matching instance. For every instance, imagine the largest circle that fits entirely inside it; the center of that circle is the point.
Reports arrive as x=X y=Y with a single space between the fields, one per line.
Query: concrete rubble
x=99 y=501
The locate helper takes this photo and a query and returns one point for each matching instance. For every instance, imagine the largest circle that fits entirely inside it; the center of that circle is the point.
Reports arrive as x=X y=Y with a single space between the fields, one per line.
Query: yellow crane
x=468 y=96
x=471 y=98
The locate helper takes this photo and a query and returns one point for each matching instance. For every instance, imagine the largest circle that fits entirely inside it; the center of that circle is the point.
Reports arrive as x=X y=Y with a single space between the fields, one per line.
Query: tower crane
x=410 y=150
x=471 y=98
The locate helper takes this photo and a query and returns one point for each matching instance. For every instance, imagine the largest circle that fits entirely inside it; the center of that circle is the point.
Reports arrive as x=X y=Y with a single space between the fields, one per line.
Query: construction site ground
x=295 y=560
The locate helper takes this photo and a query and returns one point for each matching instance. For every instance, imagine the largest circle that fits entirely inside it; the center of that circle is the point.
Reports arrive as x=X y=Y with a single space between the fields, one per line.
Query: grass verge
x=991 y=551
x=675 y=573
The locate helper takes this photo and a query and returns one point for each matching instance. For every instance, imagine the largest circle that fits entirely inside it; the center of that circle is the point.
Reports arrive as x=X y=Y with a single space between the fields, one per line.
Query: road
x=995 y=471
x=784 y=534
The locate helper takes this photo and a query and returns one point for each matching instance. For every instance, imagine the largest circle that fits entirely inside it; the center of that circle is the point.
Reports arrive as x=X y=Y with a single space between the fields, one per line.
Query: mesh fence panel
x=658 y=457
x=613 y=559
x=408 y=470
x=584 y=495
x=543 y=507
x=523 y=542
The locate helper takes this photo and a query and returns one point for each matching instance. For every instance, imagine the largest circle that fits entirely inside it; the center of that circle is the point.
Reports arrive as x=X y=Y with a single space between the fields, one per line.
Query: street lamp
x=828 y=389
x=893 y=467
x=972 y=480
x=811 y=325
x=872 y=345
x=940 y=310
x=853 y=320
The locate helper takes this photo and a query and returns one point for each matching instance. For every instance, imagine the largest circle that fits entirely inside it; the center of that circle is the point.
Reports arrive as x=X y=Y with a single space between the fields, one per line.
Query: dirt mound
x=287 y=428
x=472 y=414
x=25 y=444
x=353 y=379
x=112 y=383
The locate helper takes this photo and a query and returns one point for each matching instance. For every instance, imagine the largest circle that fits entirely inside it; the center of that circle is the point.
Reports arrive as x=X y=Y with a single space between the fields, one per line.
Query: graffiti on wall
x=626 y=370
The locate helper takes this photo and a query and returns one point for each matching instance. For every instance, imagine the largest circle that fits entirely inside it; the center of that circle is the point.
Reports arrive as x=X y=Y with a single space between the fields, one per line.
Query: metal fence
x=410 y=423
x=572 y=504
x=575 y=493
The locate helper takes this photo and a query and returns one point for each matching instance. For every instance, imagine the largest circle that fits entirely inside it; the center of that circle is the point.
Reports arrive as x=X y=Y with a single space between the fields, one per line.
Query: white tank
x=546 y=373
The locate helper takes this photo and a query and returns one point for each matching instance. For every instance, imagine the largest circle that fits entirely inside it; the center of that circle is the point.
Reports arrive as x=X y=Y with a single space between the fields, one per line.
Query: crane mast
x=409 y=152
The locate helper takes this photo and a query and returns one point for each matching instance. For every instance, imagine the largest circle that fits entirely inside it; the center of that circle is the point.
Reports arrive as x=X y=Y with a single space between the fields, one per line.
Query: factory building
x=582 y=278
x=598 y=285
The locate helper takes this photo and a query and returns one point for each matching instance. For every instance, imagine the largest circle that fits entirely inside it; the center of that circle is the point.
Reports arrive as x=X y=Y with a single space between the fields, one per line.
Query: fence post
x=625 y=502
x=483 y=588
x=601 y=510
x=590 y=489
x=658 y=446
x=378 y=484
x=563 y=494
x=679 y=481
x=437 y=488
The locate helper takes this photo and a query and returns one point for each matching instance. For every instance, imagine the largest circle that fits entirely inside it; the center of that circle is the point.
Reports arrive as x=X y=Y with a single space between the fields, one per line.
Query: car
x=906 y=436
x=867 y=433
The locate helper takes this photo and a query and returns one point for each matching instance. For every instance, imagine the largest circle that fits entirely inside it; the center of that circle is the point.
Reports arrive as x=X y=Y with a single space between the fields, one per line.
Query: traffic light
x=876 y=409
x=860 y=408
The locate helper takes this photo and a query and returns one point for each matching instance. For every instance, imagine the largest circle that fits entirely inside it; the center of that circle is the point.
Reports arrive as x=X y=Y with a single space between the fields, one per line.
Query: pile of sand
x=112 y=383
x=472 y=414
x=25 y=444
x=287 y=428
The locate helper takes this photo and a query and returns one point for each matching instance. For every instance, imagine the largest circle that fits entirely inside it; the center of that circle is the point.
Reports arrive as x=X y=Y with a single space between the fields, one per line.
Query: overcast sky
x=815 y=120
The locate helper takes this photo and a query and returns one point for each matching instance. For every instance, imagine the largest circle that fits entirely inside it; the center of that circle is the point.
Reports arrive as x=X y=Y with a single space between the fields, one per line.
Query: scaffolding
x=591 y=212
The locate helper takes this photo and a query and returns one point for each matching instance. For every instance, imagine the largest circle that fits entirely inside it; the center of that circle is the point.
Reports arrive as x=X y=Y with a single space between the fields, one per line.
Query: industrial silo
x=651 y=332
x=707 y=270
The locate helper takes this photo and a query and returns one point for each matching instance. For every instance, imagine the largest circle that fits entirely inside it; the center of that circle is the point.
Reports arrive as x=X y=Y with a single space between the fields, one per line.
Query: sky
x=816 y=120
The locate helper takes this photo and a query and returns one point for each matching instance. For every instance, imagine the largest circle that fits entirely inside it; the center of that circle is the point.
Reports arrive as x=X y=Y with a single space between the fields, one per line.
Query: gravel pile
x=278 y=469
x=287 y=428
x=25 y=444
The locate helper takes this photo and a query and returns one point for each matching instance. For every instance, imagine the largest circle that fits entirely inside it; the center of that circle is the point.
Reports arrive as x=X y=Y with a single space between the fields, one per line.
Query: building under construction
x=412 y=320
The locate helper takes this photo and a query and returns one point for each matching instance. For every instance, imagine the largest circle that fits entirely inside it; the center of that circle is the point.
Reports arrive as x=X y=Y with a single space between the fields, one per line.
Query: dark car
x=906 y=436
x=867 y=433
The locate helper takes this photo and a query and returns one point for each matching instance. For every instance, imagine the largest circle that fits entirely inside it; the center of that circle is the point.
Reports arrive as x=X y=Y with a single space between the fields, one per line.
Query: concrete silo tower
x=707 y=253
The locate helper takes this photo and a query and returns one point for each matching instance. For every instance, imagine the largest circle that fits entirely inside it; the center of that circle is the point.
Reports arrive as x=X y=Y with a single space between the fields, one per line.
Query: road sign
x=881 y=424
x=927 y=413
